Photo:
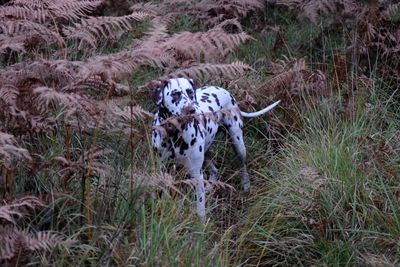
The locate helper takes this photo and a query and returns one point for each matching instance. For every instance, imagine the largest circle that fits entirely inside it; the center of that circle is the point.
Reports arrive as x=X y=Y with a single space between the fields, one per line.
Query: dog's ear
x=192 y=83
x=156 y=91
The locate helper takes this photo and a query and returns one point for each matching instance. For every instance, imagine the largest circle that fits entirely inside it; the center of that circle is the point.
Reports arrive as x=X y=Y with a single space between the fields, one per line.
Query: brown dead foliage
x=16 y=244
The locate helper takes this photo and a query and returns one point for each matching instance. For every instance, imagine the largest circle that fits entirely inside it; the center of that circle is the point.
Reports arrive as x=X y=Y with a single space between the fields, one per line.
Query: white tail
x=259 y=113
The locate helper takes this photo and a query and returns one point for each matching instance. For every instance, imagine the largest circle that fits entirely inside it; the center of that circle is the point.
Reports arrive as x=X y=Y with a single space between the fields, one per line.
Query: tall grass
x=330 y=195
x=325 y=193
x=327 y=197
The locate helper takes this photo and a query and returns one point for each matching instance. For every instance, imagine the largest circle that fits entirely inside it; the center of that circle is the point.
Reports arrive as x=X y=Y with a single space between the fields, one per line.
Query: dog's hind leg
x=212 y=172
x=236 y=137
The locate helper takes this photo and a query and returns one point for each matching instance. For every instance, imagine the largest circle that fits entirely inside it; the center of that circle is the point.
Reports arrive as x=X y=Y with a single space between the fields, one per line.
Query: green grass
x=325 y=198
x=328 y=196
x=325 y=194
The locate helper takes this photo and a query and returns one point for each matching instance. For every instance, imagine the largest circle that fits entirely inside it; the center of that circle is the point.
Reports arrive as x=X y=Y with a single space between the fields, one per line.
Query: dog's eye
x=176 y=96
x=190 y=93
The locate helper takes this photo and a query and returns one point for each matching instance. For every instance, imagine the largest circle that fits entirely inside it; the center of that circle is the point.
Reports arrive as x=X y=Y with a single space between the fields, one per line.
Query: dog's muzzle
x=189 y=110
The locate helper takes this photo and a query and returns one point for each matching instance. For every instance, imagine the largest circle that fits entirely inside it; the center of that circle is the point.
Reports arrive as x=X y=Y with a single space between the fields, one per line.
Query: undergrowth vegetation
x=80 y=184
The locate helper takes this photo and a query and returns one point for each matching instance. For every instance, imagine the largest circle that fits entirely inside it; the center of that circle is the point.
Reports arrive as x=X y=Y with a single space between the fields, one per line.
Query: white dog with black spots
x=197 y=115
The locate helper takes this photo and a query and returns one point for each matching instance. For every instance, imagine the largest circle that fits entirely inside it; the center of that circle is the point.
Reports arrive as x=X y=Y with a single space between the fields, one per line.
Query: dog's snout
x=189 y=110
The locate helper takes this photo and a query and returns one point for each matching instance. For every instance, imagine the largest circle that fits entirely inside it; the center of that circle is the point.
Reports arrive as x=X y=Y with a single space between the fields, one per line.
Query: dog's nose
x=189 y=110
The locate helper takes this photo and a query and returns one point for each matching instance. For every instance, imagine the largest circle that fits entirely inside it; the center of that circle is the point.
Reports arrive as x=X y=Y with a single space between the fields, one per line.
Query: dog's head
x=176 y=96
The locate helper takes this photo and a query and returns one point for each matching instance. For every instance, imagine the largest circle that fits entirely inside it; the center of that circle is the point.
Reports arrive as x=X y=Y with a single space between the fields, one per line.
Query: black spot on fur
x=200 y=148
x=183 y=147
x=193 y=141
x=235 y=118
x=233 y=101
x=237 y=137
x=211 y=109
x=216 y=99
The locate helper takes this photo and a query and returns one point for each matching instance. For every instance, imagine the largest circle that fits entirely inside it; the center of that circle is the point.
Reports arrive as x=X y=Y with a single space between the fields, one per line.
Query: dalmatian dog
x=186 y=123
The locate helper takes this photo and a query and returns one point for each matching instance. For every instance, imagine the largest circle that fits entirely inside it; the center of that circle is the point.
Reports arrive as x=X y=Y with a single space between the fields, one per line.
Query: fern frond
x=9 y=236
x=93 y=159
x=12 y=239
x=24 y=12
x=24 y=31
x=45 y=95
x=213 y=44
x=122 y=118
x=41 y=241
x=213 y=12
x=47 y=9
x=391 y=11
x=16 y=44
x=157 y=181
x=292 y=79
x=149 y=8
x=9 y=150
x=206 y=72
x=123 y=63
x=313 y=9
x=92 y=29
x=18 y=208
x=73 y=10
x=158 y=31
x=34 y=4
x=8 y=95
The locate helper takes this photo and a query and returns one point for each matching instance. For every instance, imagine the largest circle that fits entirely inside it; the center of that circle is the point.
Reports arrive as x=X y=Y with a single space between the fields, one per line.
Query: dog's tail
x=261 y=112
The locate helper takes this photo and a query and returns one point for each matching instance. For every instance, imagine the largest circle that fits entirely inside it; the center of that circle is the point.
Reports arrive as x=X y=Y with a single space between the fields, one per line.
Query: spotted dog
x=186 y=123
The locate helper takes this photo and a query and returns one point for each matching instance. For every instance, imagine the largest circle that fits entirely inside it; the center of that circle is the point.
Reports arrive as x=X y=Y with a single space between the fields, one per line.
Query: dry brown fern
x=92 y=160
x=34 y=94
x=373 y=25
x=27 y=24
x=10 y=152
x=15 y=241
x=91 y=30
x=212 y=45
x=214 y=12
x=120 y=65
x=314 y=10
x=207 y=72
x=297 y=85
x=43 y=11
x=292 y=79
x=148 y=7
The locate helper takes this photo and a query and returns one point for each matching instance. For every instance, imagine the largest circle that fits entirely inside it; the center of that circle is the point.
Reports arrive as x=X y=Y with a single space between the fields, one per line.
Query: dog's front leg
x=193 y=166
x=201 y=197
